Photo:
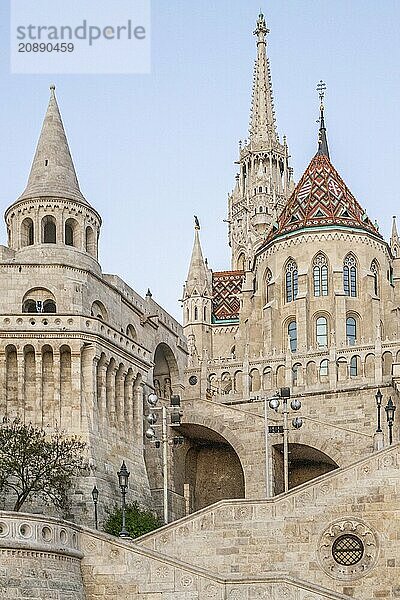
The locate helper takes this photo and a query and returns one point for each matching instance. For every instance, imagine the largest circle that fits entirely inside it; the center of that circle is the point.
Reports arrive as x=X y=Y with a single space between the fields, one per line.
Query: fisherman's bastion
x=277 y=472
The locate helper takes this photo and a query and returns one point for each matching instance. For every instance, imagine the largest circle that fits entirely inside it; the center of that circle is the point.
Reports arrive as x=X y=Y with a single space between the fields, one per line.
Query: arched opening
x=98 y=311
x=241 y=262
x=305 y=463
x=90 y=241
x=165 y=372
x=212 y=469
x=39 y=300
x=131 y=332
x=49 y=235
x=49 y=306
x=27 y=232
x=70 y=232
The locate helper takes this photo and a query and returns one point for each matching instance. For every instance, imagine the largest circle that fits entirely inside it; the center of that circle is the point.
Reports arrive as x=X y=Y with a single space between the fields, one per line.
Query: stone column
x=38 y=409
x=57 y=385
x=102 y=391
x=76 y=400
x=20 y=384
x=3 y=398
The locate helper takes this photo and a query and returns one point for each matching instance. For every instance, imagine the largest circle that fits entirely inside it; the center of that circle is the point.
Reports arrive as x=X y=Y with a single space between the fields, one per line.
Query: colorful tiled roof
x=321 y=199
x=226 y=290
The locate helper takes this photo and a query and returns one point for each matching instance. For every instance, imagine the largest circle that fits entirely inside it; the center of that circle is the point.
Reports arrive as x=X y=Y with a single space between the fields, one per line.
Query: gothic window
x=350 y=276
x=320 y=275
x=48 y=230
x=268 y=278
x=292 y=333
x=291 y=281
x=323 y=368
x=351 y=331
x=196 y=313
x=353 y=366
x=375 y=273
x=321 y=331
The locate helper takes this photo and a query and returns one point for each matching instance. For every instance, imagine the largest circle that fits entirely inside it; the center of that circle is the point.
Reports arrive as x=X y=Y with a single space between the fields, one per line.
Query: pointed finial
x=148 y=294
x=322 y=139
x=196 y=223
x=261 y=27
x=52 y=86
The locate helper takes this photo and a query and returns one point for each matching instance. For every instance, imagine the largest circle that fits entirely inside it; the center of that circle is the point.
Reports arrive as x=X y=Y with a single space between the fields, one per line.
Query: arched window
x=49 y=306
x=30 y=306
x=292 y=333
x=291 y=281
x=321 y=331
x=350 y=276
x=351 y=331
x=375 y=273
x=99 y=311
x=196 y=313
x=324 y=368
x=295 y=373
x=241 y=262
x=49 y=230
x=131 y=332
x=353 y=366
x=90 y=241
x=267 y=281
x=27 y=232
x=205 y=313
x=69 y=233
x=320 y=275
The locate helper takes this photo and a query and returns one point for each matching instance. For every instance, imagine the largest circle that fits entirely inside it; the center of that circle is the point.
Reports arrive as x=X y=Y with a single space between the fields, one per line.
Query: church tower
x=264 y=182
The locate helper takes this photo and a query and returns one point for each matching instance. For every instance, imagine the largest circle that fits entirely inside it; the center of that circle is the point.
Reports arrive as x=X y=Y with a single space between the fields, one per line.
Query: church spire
x=197 y=279
x=53 y=172
x=394 y=239
x=262 y=117
x=322 y=139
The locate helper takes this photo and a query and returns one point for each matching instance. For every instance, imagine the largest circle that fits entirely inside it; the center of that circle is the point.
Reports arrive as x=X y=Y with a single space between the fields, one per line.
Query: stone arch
x=387 y=361
x=255 y=380
x=29 y=383
x=311 y=373
x=49 y=415
x=306 y=463
x=280 y=376
x=238 y=382
x=202 y=427
x=65 y=384
x=268 y=383
x=49 y=230
x=99 y=311
x=90 y=241
x=11 y=383
x=369 y=366
x=342 y=371
x=131 y=332
x=71 y=233
x=165 y=370
x=37 y=300
x=226 y=383
x=27 y=232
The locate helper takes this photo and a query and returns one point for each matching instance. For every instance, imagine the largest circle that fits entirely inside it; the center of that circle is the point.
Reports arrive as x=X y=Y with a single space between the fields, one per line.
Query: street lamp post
x=378 y=397
x=95 y=497
x=150 y=434
x=123 y=476
x=390 y=410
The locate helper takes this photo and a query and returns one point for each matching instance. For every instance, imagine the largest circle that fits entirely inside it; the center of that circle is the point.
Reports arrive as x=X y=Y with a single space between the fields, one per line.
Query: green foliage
x=138 y=521
x=34 y=464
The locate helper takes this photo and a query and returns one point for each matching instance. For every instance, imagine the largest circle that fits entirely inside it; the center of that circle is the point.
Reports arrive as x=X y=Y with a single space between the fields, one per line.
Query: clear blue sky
x=153 y=150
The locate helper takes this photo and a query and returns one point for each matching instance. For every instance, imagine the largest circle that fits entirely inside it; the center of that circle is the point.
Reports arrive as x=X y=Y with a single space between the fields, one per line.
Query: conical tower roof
x=53 y=172
x=321 y=198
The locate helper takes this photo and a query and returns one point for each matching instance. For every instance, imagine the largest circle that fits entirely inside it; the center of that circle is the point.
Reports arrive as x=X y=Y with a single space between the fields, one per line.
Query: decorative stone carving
x=362 y=553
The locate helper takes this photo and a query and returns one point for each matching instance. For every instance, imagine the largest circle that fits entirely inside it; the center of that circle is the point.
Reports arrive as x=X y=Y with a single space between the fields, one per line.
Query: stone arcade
x=311 y=303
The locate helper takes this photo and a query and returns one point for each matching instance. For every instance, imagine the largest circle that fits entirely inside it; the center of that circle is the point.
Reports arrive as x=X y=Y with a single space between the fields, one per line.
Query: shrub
x=138 y=521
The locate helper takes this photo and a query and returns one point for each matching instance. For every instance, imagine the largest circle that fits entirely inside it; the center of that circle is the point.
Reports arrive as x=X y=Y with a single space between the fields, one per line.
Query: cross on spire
x=322 y=139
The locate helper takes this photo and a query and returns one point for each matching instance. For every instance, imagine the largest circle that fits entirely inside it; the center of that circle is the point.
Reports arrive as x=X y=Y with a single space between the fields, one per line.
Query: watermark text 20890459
x=43 y=47
x=80 y=36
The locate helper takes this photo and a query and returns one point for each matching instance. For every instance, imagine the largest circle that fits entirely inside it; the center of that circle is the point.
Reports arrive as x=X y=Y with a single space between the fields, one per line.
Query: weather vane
x=321 y=87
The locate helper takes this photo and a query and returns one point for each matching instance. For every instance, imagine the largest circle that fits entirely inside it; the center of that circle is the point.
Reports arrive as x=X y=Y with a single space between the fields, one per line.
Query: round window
x=347 y=550
x=193 y=380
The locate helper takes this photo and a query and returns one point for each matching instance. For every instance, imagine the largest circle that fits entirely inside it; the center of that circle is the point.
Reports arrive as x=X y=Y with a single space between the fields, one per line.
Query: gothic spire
x=53 y=172
x=197 y=279
x=322 y=139
x=394 y=239
x=262 y=116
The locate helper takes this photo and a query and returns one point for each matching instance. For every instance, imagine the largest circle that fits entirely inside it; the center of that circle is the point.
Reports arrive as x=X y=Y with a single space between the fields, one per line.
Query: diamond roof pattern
x=321 y=198
x=226 y=286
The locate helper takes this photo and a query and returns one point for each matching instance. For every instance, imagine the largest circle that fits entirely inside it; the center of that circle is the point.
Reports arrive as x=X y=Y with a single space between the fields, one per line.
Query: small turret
x=197 y=297
x=52 y=214
x=394 y=240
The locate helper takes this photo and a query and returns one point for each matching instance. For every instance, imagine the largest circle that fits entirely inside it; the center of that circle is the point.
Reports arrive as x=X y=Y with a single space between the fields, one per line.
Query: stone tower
x=264 y=180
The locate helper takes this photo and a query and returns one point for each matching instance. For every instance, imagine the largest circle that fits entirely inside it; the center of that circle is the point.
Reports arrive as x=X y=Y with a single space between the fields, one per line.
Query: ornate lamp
x=390 y=409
